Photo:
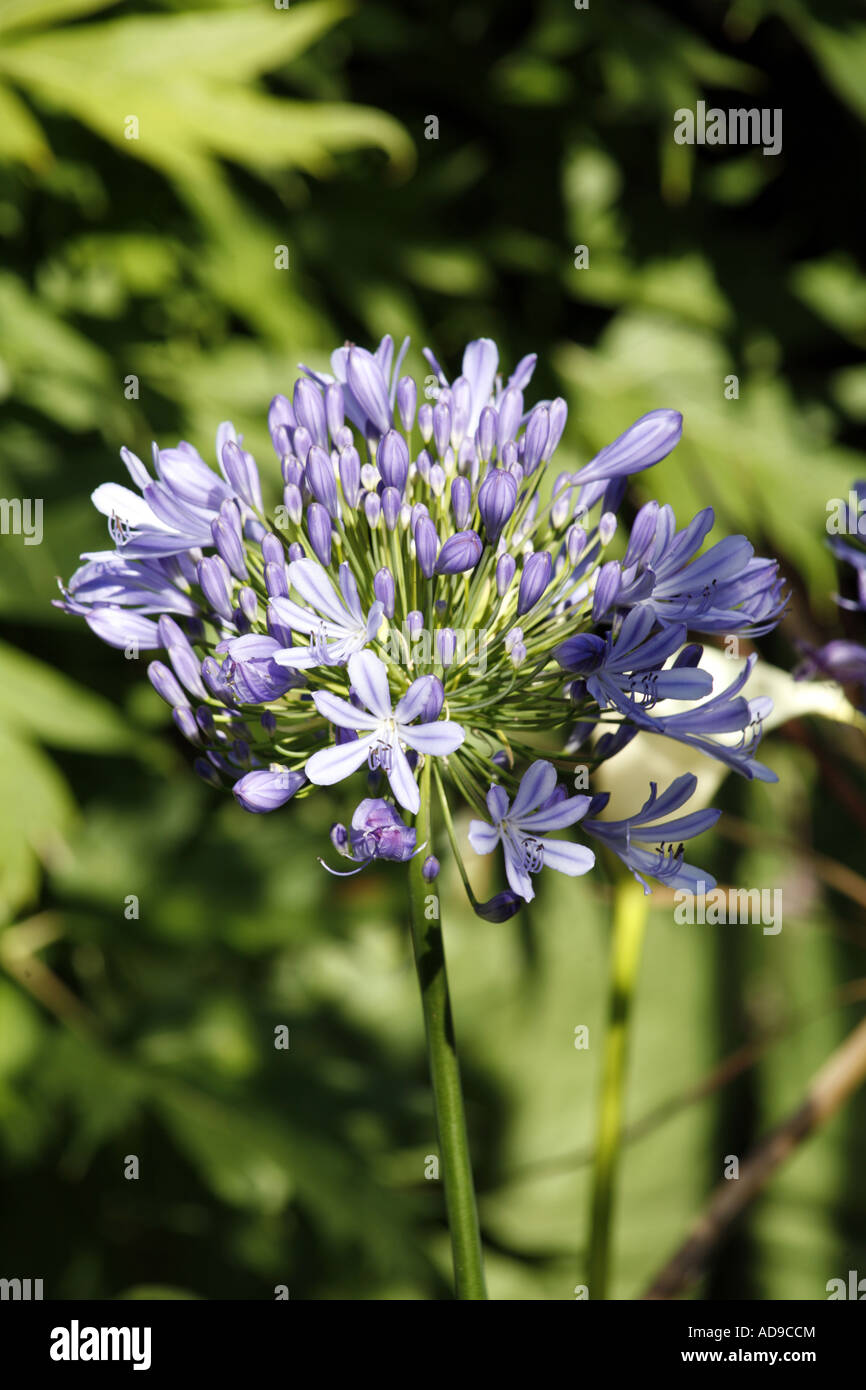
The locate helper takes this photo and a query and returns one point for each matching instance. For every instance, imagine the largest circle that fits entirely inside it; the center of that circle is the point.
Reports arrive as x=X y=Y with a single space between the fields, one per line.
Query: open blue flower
x=522 y=826
x=383 y=733
x=648 y=844
x=335 y=622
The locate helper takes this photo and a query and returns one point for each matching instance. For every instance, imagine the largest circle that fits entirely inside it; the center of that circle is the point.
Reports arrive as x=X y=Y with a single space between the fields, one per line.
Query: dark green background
x=155 y=257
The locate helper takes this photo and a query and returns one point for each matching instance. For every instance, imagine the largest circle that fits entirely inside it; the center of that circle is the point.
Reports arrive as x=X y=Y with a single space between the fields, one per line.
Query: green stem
x=444 y=1068
x=629 y=920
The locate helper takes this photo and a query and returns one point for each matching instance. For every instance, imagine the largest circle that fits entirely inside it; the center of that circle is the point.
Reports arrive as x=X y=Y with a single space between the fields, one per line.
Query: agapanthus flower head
x=421 y=577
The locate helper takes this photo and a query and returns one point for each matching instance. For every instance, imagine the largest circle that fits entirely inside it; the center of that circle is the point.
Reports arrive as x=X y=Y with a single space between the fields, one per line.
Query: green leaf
x=39 y=700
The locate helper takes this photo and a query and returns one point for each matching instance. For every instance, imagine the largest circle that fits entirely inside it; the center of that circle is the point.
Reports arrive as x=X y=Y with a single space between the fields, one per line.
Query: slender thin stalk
x=629 y=921
x=444 y=1069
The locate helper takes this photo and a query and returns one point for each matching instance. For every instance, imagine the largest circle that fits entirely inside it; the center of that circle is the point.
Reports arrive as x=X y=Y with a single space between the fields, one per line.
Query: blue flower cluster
x=296 y=636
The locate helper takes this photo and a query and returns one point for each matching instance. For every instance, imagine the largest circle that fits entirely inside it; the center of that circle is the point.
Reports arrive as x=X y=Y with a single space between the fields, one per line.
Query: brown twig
x=839 y=1077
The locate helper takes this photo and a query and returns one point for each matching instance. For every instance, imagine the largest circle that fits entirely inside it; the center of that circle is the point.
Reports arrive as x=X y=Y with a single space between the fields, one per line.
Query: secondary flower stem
x=629 y=921
x=444 y=1069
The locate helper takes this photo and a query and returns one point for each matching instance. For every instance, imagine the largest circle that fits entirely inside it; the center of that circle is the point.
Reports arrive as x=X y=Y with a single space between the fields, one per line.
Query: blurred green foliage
x=154 y=257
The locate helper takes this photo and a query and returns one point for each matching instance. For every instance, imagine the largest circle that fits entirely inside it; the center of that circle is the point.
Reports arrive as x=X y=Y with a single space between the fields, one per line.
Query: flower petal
x=309 y=580
x=567 y=858
x=537 y=784
x=442 y=737
x=342 y=713
x=370 y=678
x=403 y=784
x=483 y=837
x=331 y=765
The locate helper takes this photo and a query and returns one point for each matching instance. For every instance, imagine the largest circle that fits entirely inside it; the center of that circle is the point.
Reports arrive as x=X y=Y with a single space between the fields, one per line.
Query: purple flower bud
x=434 y=699
x=205 y=721
x=509 y=456
x=216 y=584
x=207 y=773
x=302 y=443
x=460 y=552
x=392 y=460
x=497 y=498
x=185 y=722
x=575 y=541
x=437 y=480
x=500 y=907
x=558 y=414
x=241 y=473
x=292 y=470
x=441 y=426
x=239 y=621
x=276 y=580
x=407 y=397
x=187 y=668
x=425 y=421
x=215 y=680
x=249 y=603
x=280 y=417
x=426 y=545
x=415 y=622
x=293 y=503
x=607 y=528
x=383 y=588
x=251 y=673
x=319 y=532
x=372 y=509
x=335 y=409
x=608 y=585
x=430 y=868
x=268 y=722
x=166 y=685
x=485 y=435
x=296 y=551
x=446 y=646
x=228 y=538
x=510 y=413
x=461 y=501
x=535 y=439
x=170 y=635
x=505 y=567
x=272 y=549
x=350 y=475
x=344 y=438
x=517 y=654
x=321 y=480
x=391 y=501
x=367 y=384
x=282 y=442
x=267 y=789
x=310 y=410
x=534 y=579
